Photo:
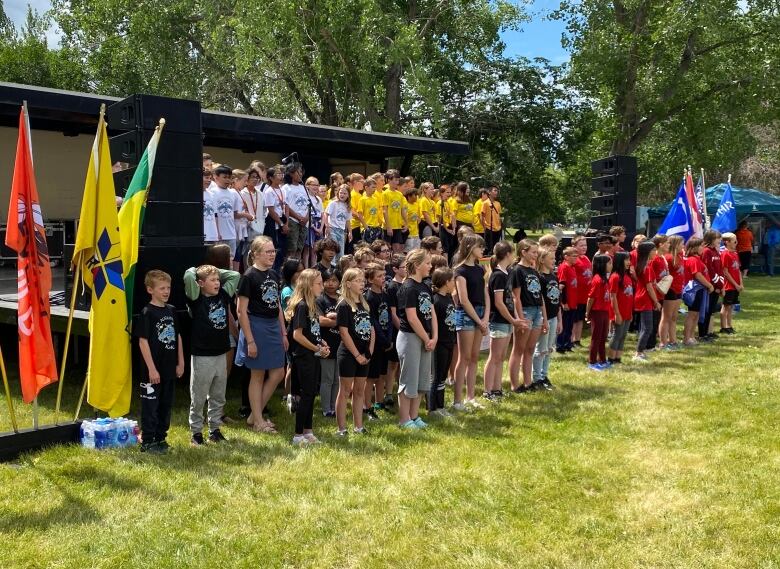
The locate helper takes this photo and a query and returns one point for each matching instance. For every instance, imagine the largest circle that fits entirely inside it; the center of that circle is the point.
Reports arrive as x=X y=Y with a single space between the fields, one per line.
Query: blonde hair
x=257 y=245
x=676 y=245
x=304 y=292
x=638 y=238
x=548 y=240
x=544 y=252
x=729 y=236
x=311 y=179
x=154 y=276
x=363 y=254
x=415 y=259
x=351 y=298
x=524 y=246
x=205 y=271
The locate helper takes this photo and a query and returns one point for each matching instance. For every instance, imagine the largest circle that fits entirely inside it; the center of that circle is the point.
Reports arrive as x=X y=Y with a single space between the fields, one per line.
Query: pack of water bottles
x=109 y=433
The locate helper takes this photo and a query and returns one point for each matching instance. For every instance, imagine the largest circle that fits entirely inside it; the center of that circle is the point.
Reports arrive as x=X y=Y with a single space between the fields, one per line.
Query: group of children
x=380 y=327
x=239 y=205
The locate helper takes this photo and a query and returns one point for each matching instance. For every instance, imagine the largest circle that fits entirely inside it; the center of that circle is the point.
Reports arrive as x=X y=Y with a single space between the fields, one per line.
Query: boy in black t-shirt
x=212 y=321
x=161 y=349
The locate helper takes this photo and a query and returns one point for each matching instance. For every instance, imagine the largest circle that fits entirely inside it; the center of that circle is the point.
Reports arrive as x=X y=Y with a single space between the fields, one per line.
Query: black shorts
x=579 y=315
x=696 y=306
x=377 y=365
x=392 y=355
x=397 y=237
x=671 y=295
x=744 y=260
x=348 y=366
x=731 y=297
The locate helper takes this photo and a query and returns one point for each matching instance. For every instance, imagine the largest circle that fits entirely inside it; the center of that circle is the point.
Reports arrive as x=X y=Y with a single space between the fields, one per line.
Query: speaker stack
x=614 y=186
x=172 y=232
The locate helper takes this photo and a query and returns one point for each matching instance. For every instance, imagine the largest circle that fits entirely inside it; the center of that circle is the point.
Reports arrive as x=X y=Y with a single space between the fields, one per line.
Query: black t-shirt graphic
x=159 y=326
x=309 y=325
x=418 y=296
x=210 y=332
x=552 y=294
x=475 y=283
x=445 y=318
x=262 y=289
x=326 y=304
x=380 y=313
x=499 y=281
x=358 y=324
x=530 y=285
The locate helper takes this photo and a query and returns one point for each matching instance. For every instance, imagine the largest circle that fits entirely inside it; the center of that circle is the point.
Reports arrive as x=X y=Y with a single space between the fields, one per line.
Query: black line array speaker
x=172 y=233
x=614 y=186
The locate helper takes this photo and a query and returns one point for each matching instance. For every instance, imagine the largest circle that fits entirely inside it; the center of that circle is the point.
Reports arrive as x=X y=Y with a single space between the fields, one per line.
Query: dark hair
x=519 y=235
x=441 y=277
x=223 y=169
x=325 y=244
x=466 y=246
x=328 y=274
x=397 y=260
x=642 y=255
x=500 y=251
x=290 y=168
x=711 y=237
x=462 y=192
x=430 y=243
x=619 y=266
x=605 y=238
x=219 y=256
x=271 y=172
x=392 y=173
x=289 y=268
x=600 y=263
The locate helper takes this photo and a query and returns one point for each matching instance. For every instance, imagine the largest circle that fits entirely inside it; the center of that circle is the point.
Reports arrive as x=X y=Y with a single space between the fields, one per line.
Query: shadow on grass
x=72 y=511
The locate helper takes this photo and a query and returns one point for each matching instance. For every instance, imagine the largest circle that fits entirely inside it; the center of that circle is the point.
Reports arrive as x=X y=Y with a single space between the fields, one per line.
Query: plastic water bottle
x=100 y=432
x=737 y=307
x=88 y=434
x=111 y=434
x=133 y=432
x=122 y=432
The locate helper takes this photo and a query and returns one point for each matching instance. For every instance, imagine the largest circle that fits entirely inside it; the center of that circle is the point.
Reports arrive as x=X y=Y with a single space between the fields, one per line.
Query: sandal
x=265 y=428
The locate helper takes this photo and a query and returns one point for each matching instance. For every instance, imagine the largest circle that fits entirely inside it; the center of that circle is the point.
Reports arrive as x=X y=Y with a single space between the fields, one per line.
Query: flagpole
x=81 y=400
x=8 y=399
x=704 y=201
x=67 y=337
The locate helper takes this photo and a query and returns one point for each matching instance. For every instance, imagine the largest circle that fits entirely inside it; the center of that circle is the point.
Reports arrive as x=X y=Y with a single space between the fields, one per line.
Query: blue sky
x=537 y=38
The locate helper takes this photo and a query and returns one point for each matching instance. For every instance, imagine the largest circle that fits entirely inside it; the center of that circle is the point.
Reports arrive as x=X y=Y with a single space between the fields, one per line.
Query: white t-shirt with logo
x=297 y=199
x=209 y=216
x=226 y=203
x=339 y=214
x=274 y=197
x=254 y=203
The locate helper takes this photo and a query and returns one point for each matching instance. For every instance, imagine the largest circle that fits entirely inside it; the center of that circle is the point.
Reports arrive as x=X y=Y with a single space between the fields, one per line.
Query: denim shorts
x=499 y=329
x=534 y=315
x=464 y=323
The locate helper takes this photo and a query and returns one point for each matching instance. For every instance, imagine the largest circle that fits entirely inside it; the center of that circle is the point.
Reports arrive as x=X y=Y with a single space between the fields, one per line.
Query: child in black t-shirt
x=307 y=347
x=212 y=320
x=160 y=344
x=380 y=318
x=329 y=377
x=443 y=285
x=397 y=265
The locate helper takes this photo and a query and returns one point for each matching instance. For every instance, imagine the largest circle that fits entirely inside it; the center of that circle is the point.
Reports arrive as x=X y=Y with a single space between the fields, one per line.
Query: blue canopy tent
x=760 y=209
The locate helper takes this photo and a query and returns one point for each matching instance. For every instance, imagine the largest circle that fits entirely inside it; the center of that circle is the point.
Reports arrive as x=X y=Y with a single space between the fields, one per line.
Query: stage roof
x=76 y=113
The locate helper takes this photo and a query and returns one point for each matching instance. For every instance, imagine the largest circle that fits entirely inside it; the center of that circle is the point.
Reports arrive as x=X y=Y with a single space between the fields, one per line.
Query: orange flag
x=25 y=234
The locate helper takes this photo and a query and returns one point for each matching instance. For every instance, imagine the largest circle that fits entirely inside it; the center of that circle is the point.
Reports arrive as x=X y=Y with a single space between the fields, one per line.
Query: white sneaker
x=459 y=407
x=301 y=440
x=474 y=404
x=444 y=413
x=641 y=358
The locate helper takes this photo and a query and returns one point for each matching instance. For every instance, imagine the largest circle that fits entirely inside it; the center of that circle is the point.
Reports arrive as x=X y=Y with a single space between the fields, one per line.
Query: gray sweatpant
x=416 y=365
x=329 y=384
x=208 y=382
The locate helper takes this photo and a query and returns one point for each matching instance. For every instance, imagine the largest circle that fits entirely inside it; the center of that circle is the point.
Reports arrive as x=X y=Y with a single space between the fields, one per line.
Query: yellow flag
x=109 y=373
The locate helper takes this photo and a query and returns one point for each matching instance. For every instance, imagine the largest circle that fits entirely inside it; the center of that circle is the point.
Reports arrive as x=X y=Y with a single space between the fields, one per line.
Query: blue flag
x=678 y=221
x=726 y=216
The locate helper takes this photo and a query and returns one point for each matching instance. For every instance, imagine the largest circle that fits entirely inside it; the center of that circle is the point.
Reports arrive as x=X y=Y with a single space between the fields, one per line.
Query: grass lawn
x=672 y=464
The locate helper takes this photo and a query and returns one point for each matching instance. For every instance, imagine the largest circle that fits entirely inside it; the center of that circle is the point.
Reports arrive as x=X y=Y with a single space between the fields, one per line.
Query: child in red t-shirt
x=646 y=296
x=569 y=285
x=597 y=311
x=667 y=331
x=733 y=282
x=694 y=269
x=584 y=273
x=621 y=289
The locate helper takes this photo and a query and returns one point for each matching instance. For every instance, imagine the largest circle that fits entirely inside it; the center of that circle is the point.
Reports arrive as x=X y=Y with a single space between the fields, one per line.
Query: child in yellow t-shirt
x=413 y=217
x=429 y=220
x=477 y=211
x=371 y=210
x=356 y=182
x=394 y=208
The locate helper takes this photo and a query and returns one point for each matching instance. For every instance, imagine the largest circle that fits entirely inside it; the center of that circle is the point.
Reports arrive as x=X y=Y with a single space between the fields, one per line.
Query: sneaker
x=443 y=413
x=490 y=396
x=731 y=331
x=330 y=414
x=411 y=425
x=360 y=431
x=216 y=436
x=388 y=402
x=498 y=393
x=459 y=407
x=292 y=403
x=197 y=439
x=164 y=446
x=300 y=440
x=379 y=406
x=641 y=358
x=605 y=365
x=474 y=404
x=595 y=367
x=690 y=342
x=420 y=423
x=147 y=447
x=521 y=389
x=341 y=433
x=546 y=385
x=372 y=416
x=244 y=412
x=311 y=438
x=578 y=344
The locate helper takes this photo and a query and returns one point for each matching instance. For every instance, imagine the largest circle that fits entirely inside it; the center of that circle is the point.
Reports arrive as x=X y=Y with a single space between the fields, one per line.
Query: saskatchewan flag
x=98 y=254
x=131 y=215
